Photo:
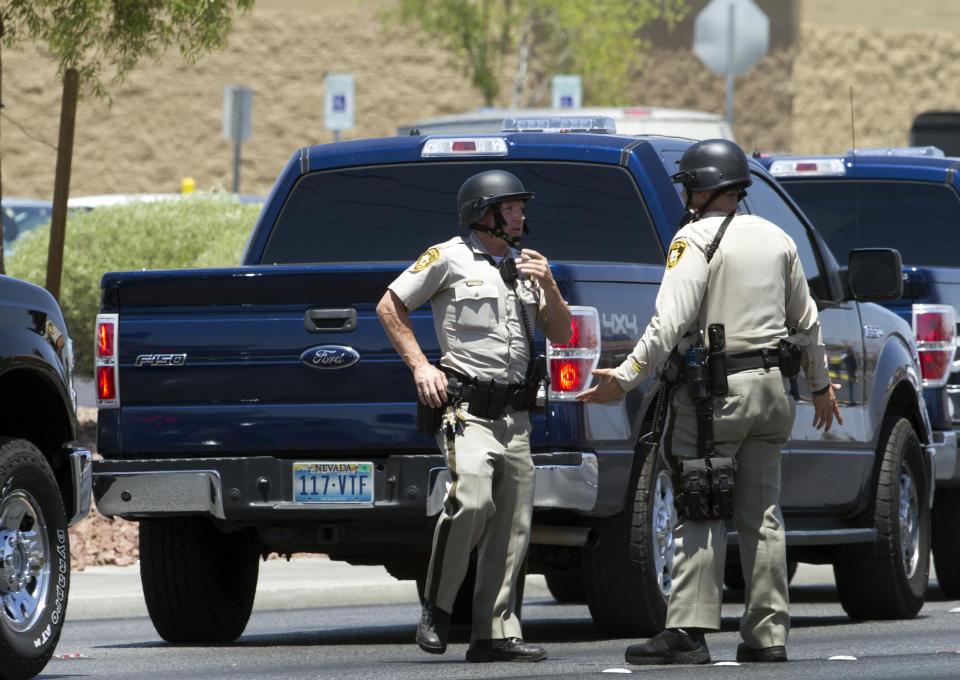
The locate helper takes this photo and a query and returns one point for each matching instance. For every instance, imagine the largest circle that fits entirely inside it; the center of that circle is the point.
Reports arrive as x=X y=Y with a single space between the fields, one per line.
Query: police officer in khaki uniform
x=484 y=323
x=752 y=283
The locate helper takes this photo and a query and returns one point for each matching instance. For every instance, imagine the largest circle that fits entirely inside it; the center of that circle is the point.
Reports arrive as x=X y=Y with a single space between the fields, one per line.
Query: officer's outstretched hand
x=535 y=265
x=826 y=408
x=607 y=390
x=431 y=385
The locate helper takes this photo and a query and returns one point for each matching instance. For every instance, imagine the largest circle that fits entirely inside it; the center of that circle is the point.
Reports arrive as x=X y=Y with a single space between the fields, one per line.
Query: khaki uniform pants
x=488 y=506
x=750 y=424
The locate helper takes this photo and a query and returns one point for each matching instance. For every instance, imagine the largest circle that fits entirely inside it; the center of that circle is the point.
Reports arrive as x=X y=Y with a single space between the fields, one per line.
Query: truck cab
x=904 y=198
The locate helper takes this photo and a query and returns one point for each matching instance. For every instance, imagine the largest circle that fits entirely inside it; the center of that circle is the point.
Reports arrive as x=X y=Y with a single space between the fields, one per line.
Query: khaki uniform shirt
x=754 y=286
x=476 y=315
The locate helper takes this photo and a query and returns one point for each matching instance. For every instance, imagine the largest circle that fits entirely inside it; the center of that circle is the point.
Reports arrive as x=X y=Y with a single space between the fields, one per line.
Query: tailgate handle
x=330 y=320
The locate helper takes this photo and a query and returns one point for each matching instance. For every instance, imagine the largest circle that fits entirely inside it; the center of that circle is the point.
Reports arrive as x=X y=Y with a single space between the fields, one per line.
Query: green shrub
x=201 y=230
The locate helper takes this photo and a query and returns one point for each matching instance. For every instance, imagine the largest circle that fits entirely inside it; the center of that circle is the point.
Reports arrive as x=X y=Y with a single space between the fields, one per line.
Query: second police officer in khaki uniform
x=483 y=314
x=751 y=281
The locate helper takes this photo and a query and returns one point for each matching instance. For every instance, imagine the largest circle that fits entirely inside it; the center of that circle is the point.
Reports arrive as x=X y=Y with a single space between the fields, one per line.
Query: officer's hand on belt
x=533 y=264
x=431 y=385
x=607 y=390
x=826 y=408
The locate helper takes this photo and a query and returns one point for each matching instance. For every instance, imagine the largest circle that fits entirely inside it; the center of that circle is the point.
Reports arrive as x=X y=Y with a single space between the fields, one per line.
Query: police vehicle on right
x=908 y=199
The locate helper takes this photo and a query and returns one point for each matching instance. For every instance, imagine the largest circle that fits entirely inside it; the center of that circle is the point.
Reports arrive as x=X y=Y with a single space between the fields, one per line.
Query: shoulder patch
x=425 y=260
x=677 y=249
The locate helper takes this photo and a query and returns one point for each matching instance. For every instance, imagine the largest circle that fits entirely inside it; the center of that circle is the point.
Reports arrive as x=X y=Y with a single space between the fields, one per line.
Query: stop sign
x=730 y=35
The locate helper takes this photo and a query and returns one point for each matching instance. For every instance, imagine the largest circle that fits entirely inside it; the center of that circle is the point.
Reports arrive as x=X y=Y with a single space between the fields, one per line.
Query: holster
x=488 y=399
x=707 y=488
x=428 y=418
x=789 y=358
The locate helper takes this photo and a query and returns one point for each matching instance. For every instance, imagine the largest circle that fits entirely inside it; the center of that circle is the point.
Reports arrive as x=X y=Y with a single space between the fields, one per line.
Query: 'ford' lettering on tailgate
x=160 y=360
x=330 y=356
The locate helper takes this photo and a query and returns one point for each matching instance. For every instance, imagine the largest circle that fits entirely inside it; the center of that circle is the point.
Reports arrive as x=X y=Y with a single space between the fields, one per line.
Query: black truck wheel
x=946 y=547
x=34 y=560
x=566 y=586
x=627 y=573
x=888 y=580
x=198 y=582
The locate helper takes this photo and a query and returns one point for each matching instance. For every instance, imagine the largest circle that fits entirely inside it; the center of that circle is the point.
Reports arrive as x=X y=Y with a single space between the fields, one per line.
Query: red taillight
x=572 y=363
x=464 y=146
x=106 y=384
x=806 y=167
x=104 y=339
x=935 y=327
x=105 y=361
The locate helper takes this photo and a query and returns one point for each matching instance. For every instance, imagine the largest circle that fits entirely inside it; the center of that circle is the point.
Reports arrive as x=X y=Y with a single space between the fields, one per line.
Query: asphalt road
x=367 y=642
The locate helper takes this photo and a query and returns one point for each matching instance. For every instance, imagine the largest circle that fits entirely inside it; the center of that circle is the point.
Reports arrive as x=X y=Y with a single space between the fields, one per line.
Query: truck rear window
x=921 y=220
x=581 y=212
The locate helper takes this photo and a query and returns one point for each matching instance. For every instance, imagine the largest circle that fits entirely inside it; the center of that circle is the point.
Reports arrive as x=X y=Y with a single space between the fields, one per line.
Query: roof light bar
x=928 y=151
x=464 y=146
x=804 y=167
x=594 y=124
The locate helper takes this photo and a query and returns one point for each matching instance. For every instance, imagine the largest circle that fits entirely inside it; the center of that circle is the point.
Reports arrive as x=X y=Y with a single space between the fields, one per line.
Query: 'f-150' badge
x=158 y=360
x=330 y=356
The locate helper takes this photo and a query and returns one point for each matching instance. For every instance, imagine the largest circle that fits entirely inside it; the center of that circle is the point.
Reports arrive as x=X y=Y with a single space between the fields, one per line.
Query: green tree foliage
x=199 y=230
x=600 y=40
x=110 y=37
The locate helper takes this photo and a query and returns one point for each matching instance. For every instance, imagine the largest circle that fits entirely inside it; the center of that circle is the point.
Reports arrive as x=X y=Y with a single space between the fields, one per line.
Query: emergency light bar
x=464 y=146
x=928 y=151
x=804 y=167
x=595 y=124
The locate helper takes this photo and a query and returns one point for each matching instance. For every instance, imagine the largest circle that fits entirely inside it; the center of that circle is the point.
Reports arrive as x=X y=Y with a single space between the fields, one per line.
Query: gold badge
x=676 y=251
x=425 y=260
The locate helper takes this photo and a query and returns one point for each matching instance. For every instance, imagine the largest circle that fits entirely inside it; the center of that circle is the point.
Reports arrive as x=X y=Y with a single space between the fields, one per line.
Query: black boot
x=434 y=629
x=504 y=649
x=773 y=654
x=671 y=646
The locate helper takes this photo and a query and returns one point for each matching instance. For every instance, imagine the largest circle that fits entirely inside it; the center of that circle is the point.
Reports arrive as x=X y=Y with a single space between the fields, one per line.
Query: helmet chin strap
x=691 y=214
x=498 y=229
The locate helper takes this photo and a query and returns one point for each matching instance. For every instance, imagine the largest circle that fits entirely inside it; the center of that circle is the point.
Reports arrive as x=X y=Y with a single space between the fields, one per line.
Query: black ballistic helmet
x=486 y=189
x=711 y=165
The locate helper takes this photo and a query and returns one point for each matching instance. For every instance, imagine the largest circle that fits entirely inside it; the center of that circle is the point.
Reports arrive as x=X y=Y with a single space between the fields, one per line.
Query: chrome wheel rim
x=24 y=563
x=664 y=522
x=909 y=523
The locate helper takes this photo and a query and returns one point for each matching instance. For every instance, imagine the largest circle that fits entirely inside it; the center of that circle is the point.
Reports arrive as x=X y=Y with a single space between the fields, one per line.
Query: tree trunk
x=61 y=184
x=517 y=100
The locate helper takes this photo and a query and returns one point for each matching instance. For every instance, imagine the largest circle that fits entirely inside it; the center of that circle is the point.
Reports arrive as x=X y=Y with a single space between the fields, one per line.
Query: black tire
x=733 y=574
x=33 y=606
x=566 y=586
x=198 y=583
x=627 y=572
x=888 y=580
x=946 y=544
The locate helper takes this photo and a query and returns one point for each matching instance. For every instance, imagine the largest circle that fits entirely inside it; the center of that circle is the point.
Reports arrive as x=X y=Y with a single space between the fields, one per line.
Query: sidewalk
x=303 y=583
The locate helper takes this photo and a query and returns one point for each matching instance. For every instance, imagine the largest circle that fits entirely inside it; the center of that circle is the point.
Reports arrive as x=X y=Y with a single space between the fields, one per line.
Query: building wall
x=165 y=121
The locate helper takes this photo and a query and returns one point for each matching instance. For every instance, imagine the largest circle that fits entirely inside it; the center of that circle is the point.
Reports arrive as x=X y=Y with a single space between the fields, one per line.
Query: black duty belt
x=747 y=361
x=495 y=392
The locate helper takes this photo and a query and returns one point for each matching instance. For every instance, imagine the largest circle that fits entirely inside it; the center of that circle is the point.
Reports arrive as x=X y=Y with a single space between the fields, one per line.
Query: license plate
x=333 y=482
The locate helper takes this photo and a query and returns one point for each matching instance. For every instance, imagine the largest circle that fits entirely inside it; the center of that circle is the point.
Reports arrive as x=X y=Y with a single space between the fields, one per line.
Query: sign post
x=237 y=108
x=338 y=103
x=729 y=36
x=567 y=92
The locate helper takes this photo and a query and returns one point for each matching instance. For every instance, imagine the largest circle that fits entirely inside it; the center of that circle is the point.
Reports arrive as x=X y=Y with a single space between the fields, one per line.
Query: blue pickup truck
x=261 y=408
x=908 y=199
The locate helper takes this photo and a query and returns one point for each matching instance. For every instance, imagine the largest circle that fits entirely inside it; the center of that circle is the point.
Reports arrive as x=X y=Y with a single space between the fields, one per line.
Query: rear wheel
x=34 y=560
x=946 y=543
x=627 y=574
x=888 y=580
x=566 y=586
x=198 y=582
